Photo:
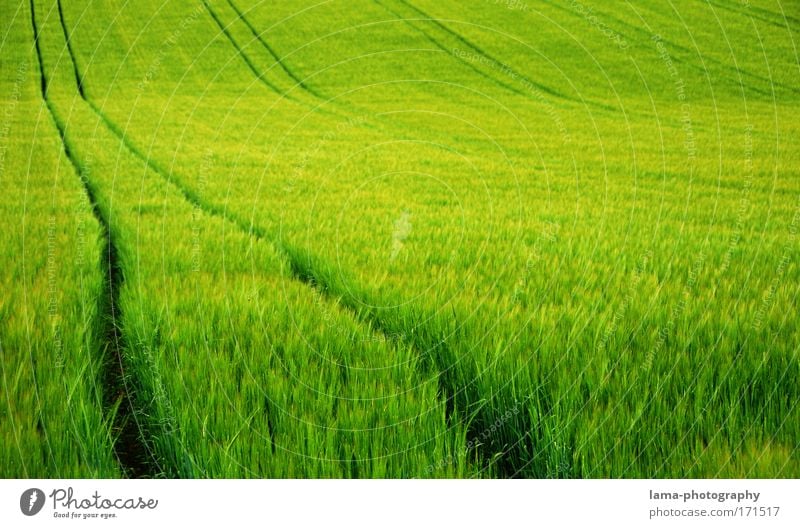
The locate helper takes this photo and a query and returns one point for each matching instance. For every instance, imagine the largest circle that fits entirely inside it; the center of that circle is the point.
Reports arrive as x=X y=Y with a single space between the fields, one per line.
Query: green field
x=397 y=238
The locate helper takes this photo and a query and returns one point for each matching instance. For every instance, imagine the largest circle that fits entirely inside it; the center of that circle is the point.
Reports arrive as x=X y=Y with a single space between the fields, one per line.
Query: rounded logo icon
x=31 y=501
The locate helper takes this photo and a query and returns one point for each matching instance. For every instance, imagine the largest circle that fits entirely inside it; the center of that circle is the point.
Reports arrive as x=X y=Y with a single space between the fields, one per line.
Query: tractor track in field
x=222 y=213
x=750 y=10
x=483 y=53
x=320 y=100
x=190 y=196
x=647 y=37
x=272 y=53
x=478 y=51
x=261 y=77
x=463 y=400
x=300 y=272
x=451 y=389
x=345 y=112
x=445 y=49
x=78 y=79
x=130 y=451
x=299 y=268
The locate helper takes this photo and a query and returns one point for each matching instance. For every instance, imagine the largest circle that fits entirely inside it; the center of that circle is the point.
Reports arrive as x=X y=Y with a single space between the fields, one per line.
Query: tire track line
x=225 y=215
x=647 y=37
x=299 y=82
x=132 y=453
x=450 y=390
x=299 y=271
x=444 y=48
x=320 y=108
x=458 y=381
x=75 y=71
x=433 y=352
x=480 y=51
x=496 y=63
x=260 y=76
x=750 y=13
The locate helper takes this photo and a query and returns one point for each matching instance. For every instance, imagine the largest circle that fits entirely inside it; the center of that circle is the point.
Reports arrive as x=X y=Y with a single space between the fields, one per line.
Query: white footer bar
x=388 y=503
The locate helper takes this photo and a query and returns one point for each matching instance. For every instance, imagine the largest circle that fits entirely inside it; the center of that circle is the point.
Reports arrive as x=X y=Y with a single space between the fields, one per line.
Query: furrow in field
x=261 y=77
x=449 y=51
x=419 y=15
x=456 y=376
x=751 y=11
x=460 y=396
x=188 y=194
x=273 y=54
x=257 y=233
x=645 y=37
x=209 y=209
x=108 y=122
x=480 y=51
x=78 y=79
x=516 y=444
x=734 y=68
x=319 y=103
x=55 y=422
x=130 y=450
x=300 y=271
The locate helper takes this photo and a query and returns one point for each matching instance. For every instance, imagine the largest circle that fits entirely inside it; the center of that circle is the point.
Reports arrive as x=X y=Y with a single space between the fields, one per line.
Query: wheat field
x=399 y=239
